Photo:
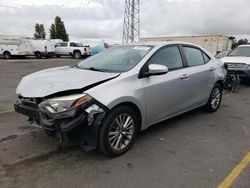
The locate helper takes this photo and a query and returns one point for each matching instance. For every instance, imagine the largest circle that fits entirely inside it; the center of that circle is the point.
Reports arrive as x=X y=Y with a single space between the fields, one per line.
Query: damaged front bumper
x=83 y=121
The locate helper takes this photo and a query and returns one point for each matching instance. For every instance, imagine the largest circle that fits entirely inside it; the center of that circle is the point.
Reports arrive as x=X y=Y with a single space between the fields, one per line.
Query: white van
x=43 y=48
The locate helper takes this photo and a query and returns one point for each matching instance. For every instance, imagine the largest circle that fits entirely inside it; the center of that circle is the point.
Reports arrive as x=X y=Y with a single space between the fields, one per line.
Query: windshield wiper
x=75 y=66
x=96 y=69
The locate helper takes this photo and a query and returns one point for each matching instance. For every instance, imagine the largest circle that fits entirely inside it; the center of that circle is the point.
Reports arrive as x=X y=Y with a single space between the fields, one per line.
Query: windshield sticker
x=145 y=48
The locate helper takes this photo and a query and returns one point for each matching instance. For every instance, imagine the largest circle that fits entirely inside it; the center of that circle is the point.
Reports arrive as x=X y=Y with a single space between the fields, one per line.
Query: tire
x=38 y=55
x=214 y=100
x=7 y=55
x=77 y=55
x=114 y=140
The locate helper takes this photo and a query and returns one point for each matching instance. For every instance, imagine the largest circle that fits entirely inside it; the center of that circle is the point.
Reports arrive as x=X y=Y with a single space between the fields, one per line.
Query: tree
x=52 y=31
x=234 y=42
x=39 y=31
x=242 y=41
x=58 y=31
x=237 y=43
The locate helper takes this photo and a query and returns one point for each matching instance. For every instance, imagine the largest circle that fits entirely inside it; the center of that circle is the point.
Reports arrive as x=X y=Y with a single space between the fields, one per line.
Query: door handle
x=184 y=76
x=212 y=68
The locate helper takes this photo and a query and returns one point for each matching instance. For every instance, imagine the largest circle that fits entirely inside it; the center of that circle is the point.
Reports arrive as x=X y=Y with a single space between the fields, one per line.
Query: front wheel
x=7 y=55
x=214 y=100
x=118 y=131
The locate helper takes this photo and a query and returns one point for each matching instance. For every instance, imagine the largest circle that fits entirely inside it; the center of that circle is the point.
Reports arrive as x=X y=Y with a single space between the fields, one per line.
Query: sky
x=103 y=19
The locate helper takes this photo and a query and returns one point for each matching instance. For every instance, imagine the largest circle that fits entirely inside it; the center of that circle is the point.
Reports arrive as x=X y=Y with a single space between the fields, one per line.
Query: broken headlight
x=65 y=103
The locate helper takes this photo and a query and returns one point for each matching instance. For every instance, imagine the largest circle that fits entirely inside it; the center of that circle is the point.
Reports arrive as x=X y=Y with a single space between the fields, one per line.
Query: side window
x=194 y=56
x=64 y=44
x=206 y=57
x=168 y=56
x=72 y=44
x=79 y=45
x=58 y=45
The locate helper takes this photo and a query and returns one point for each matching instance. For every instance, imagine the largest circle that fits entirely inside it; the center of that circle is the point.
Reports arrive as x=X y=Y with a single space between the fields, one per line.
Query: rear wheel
x=77 y=55
x=7 y=55
x=214 y=101
x=38 y=55
x=118 y=131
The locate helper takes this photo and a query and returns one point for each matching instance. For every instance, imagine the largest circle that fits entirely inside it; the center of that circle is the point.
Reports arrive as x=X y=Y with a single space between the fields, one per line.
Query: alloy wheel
x=215 y=98
x=121 y=132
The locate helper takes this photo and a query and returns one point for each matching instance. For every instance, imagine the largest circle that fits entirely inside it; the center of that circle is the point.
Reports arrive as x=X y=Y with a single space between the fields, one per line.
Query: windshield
x=240 y=51
x=116 y=59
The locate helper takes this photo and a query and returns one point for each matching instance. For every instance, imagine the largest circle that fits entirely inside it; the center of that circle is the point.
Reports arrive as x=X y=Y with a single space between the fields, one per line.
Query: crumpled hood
x=50 y=81
x=236 y=60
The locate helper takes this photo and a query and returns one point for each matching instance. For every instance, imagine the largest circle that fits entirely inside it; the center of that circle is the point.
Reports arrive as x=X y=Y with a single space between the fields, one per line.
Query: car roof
x=244 y=45
x=160 y=43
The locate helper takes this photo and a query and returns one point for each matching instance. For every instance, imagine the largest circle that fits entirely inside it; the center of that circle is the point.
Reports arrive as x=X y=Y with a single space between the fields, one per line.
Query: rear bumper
x=87 y=54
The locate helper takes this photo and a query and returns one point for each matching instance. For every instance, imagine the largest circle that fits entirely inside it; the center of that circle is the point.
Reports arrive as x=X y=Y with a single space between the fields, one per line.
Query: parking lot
x=196 y=149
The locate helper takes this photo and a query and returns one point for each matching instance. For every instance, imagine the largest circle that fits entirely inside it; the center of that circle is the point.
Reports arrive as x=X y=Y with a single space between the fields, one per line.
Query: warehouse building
x=213 y=43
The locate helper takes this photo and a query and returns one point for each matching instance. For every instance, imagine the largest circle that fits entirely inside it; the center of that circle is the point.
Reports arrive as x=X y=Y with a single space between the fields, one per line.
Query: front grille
x=237 y=65
x=29 y=102
x=237 y=72
x=28 y=107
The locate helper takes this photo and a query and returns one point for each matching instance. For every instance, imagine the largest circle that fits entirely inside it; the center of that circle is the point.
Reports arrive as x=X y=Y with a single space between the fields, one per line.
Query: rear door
x=61 y=48
x=199 y=71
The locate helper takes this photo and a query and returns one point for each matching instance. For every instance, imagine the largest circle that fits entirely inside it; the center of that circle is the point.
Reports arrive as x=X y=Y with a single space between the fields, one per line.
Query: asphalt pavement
x=193 y=150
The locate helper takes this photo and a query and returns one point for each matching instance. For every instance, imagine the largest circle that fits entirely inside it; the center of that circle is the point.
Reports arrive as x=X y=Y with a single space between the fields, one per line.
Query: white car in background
x=238 y=61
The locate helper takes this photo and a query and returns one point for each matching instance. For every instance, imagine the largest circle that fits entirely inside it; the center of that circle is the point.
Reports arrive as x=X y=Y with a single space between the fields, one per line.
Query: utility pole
x=131 y=23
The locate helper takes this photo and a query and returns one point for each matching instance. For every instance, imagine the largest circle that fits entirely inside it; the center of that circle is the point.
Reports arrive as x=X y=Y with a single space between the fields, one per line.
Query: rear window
x=206 y=57
x=72 y=44
x=194 y=56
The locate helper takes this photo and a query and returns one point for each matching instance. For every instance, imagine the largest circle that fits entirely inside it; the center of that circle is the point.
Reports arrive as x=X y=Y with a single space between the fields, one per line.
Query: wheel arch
x=220 y=82
x=77 y=50
x=6 y=51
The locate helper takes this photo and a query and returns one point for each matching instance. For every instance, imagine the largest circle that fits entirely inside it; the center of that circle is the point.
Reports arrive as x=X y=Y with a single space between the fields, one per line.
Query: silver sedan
x=108 y=98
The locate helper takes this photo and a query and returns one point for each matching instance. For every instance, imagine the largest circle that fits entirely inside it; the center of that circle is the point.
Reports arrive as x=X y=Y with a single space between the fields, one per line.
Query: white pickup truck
x=76 y=50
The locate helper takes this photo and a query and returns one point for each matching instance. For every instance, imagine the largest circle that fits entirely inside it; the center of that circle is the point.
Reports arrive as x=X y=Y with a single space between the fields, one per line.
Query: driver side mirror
x=155 y=69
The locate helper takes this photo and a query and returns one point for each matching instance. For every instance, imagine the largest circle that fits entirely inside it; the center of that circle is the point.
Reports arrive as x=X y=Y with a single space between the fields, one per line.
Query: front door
x=167 y=94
